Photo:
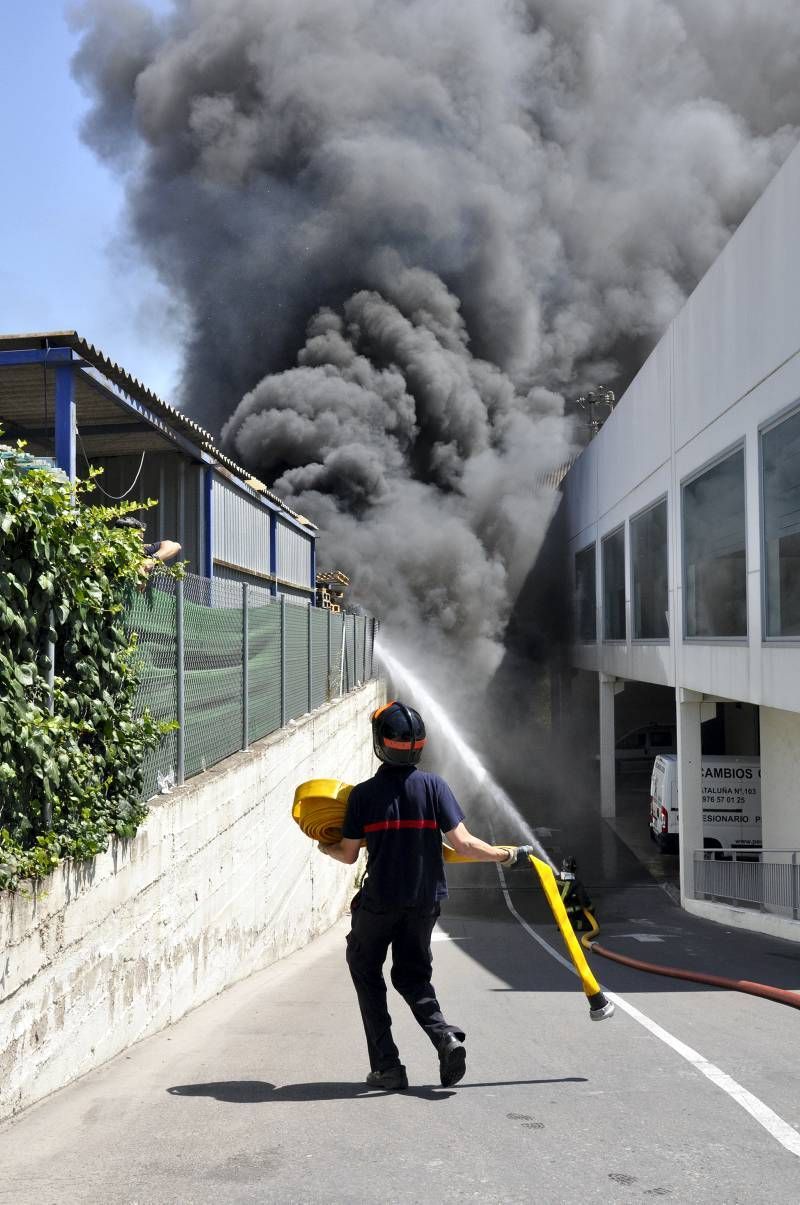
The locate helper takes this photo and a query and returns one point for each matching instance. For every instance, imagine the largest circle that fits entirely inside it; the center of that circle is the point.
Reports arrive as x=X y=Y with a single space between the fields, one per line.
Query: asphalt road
x=258 y=1096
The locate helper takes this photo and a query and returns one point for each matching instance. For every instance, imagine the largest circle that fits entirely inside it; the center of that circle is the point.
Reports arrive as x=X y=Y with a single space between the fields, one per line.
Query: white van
x=731 y=802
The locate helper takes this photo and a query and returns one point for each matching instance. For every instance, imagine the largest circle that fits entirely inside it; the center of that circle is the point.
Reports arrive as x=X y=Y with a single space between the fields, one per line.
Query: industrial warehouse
x=683 y=527
x=69 y=401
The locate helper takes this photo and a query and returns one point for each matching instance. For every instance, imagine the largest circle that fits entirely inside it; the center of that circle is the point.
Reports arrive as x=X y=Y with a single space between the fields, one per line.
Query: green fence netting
x=264 y=616
x=213 y=657
x=296 y=653
x=151 y=615
x=320 y=631
x=248 y=664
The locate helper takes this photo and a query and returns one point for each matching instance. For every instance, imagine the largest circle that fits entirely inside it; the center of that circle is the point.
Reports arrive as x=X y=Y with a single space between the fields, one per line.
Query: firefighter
x=574 y=895
x=402 y=812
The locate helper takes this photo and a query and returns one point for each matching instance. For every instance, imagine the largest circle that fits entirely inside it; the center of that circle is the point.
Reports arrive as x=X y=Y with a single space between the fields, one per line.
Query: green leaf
x=22 y=570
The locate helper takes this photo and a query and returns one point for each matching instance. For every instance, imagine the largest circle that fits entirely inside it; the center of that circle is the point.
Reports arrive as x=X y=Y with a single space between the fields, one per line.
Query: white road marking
x=641 y=936
x=780 y=1130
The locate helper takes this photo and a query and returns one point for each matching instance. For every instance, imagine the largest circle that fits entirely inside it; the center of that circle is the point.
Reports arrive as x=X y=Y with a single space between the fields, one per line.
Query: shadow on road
x=256 y=1092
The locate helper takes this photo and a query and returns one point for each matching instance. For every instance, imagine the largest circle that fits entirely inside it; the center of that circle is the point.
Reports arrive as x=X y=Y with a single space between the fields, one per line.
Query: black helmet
x=398 y=734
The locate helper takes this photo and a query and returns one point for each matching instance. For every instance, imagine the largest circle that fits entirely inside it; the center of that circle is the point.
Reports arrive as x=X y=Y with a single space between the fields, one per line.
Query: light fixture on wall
x=593 y=402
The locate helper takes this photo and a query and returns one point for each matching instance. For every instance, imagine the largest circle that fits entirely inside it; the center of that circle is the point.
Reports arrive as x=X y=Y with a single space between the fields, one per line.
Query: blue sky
x=64 y=263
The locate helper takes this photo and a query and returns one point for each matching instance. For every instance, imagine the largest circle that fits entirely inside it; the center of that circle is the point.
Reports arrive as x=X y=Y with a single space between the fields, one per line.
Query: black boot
x=452 y=1061
x=393 y=1079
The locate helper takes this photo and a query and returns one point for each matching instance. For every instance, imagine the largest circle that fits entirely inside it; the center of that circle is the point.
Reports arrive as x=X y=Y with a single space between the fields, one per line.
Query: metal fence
x=767 y=879
x=231 y=663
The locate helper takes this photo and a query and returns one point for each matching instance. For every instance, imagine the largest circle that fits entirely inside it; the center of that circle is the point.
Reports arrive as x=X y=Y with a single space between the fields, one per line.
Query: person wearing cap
x=402 y=813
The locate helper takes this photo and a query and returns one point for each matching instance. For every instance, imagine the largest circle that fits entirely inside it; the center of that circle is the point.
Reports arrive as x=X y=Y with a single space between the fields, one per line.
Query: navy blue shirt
x=402 y=813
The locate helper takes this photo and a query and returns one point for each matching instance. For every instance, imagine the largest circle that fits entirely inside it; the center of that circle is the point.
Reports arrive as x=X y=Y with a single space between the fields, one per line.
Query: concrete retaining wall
x=218 y=883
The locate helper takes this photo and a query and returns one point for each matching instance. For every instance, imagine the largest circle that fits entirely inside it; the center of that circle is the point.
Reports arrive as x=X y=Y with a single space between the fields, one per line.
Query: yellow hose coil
x=319 y=807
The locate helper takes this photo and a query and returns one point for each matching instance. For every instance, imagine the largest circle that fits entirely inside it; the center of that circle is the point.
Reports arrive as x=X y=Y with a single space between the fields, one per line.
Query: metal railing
x=230 y=663
x=766 y=879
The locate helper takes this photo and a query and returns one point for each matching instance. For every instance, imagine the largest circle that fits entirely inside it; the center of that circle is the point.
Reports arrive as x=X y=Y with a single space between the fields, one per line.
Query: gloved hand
x=518 y=856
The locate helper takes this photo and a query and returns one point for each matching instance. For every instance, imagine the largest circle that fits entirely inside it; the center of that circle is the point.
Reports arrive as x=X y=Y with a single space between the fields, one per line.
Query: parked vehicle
x=731 y=802
x=637 y=749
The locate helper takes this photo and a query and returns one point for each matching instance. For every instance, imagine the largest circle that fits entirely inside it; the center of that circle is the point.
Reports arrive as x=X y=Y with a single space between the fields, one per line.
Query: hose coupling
x=600 y=1007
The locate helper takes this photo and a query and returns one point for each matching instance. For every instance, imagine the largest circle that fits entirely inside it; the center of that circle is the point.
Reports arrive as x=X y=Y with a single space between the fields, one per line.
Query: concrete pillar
x=690 y=812
x=608 y=786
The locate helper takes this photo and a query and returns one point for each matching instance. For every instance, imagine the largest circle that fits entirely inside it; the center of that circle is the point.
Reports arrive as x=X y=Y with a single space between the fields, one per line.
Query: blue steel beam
x=208 y=513
x=65 y=420
x=36 y=355
x=273 y=549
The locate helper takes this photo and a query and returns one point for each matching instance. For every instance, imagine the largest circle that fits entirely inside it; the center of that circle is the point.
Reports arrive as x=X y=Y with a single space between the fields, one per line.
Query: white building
x=683 y=522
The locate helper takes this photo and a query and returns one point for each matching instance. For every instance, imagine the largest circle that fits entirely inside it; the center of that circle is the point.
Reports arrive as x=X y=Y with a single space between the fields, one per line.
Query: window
x=585 y=595
x=650 y=581
x=780 y=462
x=715 y=566
x=614 y=585
x=634 y=740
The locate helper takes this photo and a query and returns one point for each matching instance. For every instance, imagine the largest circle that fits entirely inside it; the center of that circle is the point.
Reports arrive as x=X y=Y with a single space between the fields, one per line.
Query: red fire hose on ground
x=778 y=994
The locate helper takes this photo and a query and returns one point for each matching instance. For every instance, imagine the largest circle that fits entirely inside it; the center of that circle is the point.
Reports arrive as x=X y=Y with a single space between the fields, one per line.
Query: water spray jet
x=483 y=779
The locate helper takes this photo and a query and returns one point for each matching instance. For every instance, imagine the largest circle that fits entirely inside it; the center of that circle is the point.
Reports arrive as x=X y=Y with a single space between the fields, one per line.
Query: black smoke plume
x=402 y=230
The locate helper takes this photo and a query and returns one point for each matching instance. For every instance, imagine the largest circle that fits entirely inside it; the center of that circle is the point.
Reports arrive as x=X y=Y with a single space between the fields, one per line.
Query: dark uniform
x=401 y=813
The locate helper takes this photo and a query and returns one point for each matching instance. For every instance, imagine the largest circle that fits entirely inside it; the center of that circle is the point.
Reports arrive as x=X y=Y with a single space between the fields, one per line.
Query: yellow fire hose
x=599 y=1007
x=319 y=807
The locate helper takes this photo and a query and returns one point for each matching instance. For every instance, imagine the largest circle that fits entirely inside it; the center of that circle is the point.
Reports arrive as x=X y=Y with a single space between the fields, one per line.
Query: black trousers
x=408 y=932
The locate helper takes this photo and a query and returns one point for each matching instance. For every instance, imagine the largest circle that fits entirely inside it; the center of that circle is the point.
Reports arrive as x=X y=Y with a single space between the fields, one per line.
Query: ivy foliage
x=70 y=759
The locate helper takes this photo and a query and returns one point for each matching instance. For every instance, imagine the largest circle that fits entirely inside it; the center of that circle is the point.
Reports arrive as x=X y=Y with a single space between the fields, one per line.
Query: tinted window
x=780 y=450
x=585 y=595
x=715 y=569
x=614 y=586
x=649 y=572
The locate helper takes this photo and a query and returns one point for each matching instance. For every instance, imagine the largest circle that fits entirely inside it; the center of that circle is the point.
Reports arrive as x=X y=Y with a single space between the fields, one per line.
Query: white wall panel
x=729 y=363
x=742 y=320
x=241 y=529
x=294 y=555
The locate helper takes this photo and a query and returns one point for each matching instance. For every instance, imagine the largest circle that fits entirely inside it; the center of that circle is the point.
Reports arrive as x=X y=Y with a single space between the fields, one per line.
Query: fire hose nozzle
x=600 y=1007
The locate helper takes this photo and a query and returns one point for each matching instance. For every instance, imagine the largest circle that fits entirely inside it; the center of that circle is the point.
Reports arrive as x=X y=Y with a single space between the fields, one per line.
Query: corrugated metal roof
x=554 y=478
x=134 y=388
